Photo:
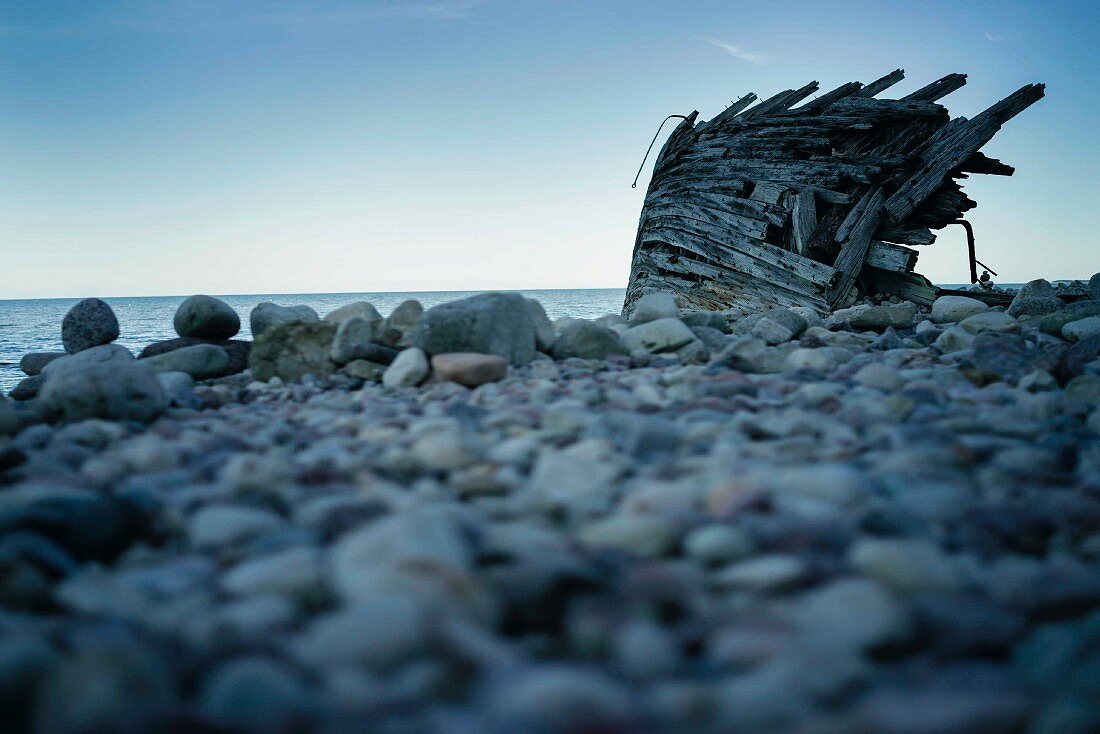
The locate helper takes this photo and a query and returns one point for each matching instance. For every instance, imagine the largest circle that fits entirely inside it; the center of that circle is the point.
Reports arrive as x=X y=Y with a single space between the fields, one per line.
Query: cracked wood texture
x=799 y=200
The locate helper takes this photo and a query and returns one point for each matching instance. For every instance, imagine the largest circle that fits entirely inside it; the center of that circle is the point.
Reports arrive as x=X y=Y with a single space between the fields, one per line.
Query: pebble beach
x=472 y=518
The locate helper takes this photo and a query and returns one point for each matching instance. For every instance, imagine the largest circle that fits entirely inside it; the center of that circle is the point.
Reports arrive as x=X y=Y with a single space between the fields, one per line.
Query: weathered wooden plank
x=905 y=233
x=888 y=256
x=939 y=88
x=803 y=220
x=823 y=101
x=729 y=113
x=767 y=192
x=855 y=241
x=908 y=286
x=770 y=263
x=883 y=83
x=959 y=140
x=981 y=163
x=782 y=101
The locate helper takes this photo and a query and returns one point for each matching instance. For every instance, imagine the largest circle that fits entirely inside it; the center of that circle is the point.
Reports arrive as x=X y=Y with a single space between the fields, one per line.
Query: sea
x=34 y=325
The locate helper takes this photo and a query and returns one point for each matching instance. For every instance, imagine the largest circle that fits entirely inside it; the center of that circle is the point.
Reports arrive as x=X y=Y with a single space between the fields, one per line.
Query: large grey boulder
x=268 y=315
x=662 y=335
x=112 y=391
x=291 y=351
x=200 y=361
x=489 y=323
x=206 y=317
x=586 y=340
x=948 y=309
x=544 y=330
x=1094 y=287
x=33 y=362
x=653 y=306
x=89 y=323
x=1035 y=298
x=880 y=318
x=237 y=349
x=110 y=355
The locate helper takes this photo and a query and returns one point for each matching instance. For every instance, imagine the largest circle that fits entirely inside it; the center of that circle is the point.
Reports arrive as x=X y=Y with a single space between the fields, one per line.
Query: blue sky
x=305 y=146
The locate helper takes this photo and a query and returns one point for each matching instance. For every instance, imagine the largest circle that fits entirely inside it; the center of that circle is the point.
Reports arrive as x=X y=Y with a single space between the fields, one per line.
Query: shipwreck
x=773 y=204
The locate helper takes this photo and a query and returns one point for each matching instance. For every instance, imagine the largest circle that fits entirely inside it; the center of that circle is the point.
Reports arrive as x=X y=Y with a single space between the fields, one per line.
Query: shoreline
x=885 y=520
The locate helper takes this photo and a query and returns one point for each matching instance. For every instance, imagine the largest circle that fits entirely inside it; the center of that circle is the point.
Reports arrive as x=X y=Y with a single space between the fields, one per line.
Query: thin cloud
x=738 y=52
x=999 y=37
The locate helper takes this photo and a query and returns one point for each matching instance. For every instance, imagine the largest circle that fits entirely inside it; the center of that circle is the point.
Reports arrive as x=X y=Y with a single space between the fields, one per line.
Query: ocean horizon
x=34 y=324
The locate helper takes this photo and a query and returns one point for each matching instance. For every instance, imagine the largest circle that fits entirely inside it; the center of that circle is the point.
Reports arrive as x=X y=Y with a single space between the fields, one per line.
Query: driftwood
x=773 y=204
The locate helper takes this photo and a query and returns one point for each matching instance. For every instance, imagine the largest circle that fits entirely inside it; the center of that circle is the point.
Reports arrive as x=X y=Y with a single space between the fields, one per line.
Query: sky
x=165 y=147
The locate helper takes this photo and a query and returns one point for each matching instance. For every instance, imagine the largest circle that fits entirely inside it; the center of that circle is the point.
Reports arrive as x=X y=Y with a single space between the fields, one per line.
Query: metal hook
x=650 y=148
x=974 y=261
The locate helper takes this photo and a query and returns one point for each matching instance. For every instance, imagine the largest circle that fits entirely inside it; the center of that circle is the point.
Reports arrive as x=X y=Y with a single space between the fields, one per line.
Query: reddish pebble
x=469 y=368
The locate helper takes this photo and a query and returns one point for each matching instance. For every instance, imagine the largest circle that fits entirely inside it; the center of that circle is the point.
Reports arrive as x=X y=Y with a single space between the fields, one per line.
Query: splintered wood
x=770 y=204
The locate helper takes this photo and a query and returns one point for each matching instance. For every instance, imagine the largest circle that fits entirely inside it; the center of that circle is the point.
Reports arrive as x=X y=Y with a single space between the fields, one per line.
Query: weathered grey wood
x=981 y=163
x=905 y=233
x=729 y=113
x=882 y=84
x=803 y=220
x=959 y=140
x=888 y=256
x=854 y=244
x=794 y=202
x=939 y=88
x=908 y=286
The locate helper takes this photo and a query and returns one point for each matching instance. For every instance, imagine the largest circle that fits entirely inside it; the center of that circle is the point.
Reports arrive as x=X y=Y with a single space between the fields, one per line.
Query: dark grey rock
x=237 y=349
x=707 y=319
x=1094 y=287
x=714 y=340
x=489 y=323
x=586 y=340
x=27 y=388
x=1007 y=357
x=89 y=323
x=89 y=525
x=206 y=317
x=33 y=362
x=1034 y=306
x=200 y=361
x=291 y=351
x=268 y=315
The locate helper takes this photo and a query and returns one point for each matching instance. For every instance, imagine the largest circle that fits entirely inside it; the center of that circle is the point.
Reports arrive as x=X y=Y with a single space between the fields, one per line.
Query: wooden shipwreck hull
x=775 y=205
